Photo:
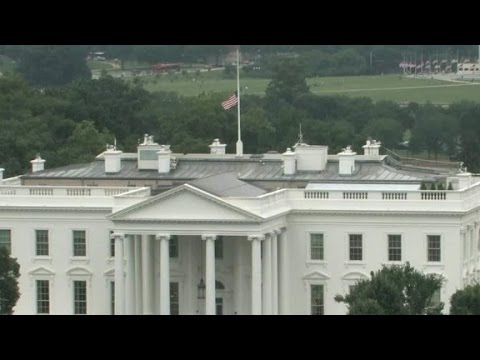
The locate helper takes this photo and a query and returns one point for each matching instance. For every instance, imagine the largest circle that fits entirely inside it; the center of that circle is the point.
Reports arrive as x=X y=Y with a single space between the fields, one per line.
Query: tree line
x=55 y=65
x=72 y=123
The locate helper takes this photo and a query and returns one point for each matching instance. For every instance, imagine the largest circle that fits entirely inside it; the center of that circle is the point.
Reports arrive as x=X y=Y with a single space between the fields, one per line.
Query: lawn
x=99 y=65
x=386 y=87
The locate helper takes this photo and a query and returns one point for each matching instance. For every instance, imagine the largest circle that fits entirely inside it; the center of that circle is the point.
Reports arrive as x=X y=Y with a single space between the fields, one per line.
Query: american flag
x=230 y=102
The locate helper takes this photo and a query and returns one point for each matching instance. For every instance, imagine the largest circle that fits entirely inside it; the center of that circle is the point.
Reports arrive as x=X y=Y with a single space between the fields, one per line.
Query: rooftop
x=262 y=167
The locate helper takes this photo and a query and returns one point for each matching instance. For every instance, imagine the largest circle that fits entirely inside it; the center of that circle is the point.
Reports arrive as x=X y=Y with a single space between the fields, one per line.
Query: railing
x=112 y=192
x=355 y=195
x=371 y=200
x=316 y=194
x=79 y=192
x=65 y=191
x=377 y=195
x=434 y=195
x=41 y=191
x=394 y=196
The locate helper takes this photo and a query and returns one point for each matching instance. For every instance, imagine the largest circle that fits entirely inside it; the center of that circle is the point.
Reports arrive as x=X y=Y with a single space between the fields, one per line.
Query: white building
x=155 y=232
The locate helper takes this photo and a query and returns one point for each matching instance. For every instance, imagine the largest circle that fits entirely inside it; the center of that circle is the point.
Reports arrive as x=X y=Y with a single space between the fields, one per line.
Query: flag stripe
x=230 y=102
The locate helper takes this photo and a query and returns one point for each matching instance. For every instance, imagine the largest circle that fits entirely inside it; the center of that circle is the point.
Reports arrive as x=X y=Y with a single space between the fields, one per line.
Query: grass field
x=386 y=87
x=99 y=65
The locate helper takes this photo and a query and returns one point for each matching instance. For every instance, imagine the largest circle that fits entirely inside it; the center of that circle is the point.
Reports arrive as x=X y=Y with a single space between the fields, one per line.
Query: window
x=356 y=247
x=174 y=299
x=218 y=306
x=112 y=248
x=111 y=244
x=173 y=247
x=219 y=248
x=350 y=288
x=316 y=292
x=41 y=237
x=394 y=247
x=43 y=297
x=79 y=297
x=316 y=246
x=433 y=247
x=5 y=240
x=79 y=243
x=112 y=297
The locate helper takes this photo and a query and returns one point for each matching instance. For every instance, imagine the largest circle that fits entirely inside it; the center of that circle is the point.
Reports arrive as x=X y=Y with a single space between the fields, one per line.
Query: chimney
x=289 y=162
x=1 y=175
x=113 y=163
x=217 y=148
x=311 y=157
x=147 y=158
x=37 y=164
x=346 y=161
x=372 y=148
x=164 y=157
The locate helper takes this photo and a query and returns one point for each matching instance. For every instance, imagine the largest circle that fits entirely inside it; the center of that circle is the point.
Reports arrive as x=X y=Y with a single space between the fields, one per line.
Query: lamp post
x=201 y=290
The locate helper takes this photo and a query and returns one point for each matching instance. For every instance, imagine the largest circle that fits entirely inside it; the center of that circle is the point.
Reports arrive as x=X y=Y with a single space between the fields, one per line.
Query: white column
x=119 y=275
x=237 y=276
x=130 y=281
x=267 y=275
x=256 y=274
x=138 y=275
x=164 y=273
x=209 y=273
x=283 y=271
x=275 y=272
x=147 y=283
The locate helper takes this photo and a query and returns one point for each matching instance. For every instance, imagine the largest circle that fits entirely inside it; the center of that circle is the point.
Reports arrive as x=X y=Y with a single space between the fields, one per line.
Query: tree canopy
x=466 y=301
x=9 y=274
x=394 y=290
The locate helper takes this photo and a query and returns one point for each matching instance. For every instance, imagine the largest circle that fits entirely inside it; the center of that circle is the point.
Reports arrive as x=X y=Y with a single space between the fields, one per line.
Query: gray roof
x=248 y=168
x=224 y=185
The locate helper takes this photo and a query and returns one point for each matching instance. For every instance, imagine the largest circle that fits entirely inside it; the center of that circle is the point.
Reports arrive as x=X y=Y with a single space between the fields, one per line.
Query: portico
x=163 y=256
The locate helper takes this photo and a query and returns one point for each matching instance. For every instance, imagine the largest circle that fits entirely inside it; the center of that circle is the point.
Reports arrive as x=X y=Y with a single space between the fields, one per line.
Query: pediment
x=185 y=203
x=41 y=271
x=110 y=273
x=79 y=271
x=316 y=275
x=355 y=275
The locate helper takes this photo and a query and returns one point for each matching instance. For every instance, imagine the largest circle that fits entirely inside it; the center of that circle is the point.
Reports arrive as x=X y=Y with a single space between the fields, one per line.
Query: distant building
x=155 y=232
x=469 y=69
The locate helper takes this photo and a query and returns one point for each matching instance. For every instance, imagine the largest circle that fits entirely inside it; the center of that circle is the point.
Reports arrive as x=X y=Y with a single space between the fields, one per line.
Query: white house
x=155 y=232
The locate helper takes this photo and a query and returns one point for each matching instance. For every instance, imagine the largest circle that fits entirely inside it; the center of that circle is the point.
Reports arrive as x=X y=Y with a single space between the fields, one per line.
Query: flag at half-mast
x=230 y=102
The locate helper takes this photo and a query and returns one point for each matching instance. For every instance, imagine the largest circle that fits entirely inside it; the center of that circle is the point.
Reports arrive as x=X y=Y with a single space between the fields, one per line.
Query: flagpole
x=239 y=142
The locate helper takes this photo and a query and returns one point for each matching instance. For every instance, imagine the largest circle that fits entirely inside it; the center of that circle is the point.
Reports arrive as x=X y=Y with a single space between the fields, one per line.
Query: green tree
x=466 y=301
x=434 y=131
x=9 y=274
x=389 y=131
x=468 y=114
x=53 y=65
x=85 y=143
x=394 y=290
x=288 y=81
x=114 y=104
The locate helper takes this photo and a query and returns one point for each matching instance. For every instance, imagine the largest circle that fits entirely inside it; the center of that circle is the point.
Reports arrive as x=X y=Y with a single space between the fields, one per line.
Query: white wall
x=375 y=246
x=235 y=269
